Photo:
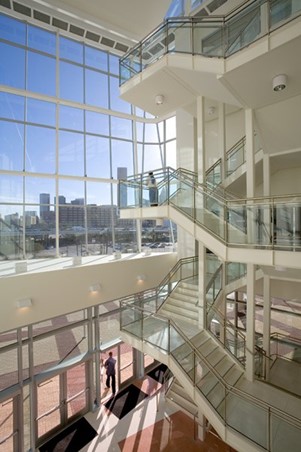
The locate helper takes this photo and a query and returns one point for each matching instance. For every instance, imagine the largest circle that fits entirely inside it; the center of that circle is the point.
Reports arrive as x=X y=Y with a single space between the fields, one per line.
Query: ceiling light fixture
x=141 y=278
x=159 y=99
x=279 y=82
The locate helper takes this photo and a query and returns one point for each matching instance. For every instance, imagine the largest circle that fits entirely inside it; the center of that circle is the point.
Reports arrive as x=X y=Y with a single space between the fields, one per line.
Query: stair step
x=199 y=339
x=183 y=299
x=233 y=375
x=207 y=383
x=207 y=347
x=224 y=366
x=215 y=356
x=217 y=395
x=182 y=303
x=179 y=312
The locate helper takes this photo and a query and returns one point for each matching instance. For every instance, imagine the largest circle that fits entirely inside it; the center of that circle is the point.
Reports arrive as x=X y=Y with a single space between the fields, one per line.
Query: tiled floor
x=154 y=425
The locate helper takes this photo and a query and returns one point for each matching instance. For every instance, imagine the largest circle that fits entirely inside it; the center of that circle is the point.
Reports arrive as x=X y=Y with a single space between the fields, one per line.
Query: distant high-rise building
x=122 y=173
x=44 y=205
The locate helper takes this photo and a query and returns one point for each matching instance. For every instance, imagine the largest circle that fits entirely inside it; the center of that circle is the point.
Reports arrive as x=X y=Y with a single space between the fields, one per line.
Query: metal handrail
x=222 y=22
x=227 y=386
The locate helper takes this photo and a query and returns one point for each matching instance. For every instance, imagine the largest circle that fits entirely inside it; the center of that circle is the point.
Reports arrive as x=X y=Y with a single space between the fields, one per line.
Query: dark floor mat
x=125 y=401
x=158 y=373
x=72 y=439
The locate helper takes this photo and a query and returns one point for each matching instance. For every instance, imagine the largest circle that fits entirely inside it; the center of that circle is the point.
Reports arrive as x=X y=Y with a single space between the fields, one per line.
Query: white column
x=201 y=427
x=267 y=214
x=250 y=174
x=266 y=319
x=250 y=339
x=222 y=138
x=201 y=170
x=250 y=160
x=202 y=285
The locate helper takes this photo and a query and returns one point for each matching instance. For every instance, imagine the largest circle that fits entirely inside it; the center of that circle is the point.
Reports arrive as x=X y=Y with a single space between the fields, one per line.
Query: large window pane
x=11 y=145
x=40 y=149
x=71 y=50
x=116 y=103
x=98 y=193
x=12 y=106
x=71 y=118
x=97 y=123
x=71 y=192
x=114 y=64
x=121 y=128
x=12 y=30
x=71 y=82
x=71 y=153
x=152 y=157
x=97 y=156
x=11 y=188
x=42 y=40
x=41 y=112
x=151 y=133
x=40 y=190
x=96 y=88
x=122 y=155
x=41 y=80
x=96 y=58
x=12 y=73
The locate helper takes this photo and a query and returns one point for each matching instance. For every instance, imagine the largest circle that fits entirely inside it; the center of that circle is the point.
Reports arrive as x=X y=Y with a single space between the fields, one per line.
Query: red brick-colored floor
x=173 y=434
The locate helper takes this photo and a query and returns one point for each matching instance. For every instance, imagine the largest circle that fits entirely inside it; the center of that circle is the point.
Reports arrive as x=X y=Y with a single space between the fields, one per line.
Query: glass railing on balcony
x=235 y=158
x=266 y=222
x=235 y=271
x=266 y=426
x=213 y=36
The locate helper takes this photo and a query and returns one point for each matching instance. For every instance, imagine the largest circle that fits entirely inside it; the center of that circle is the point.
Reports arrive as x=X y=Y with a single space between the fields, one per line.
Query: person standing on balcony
x=111 y=372
x=152 y=188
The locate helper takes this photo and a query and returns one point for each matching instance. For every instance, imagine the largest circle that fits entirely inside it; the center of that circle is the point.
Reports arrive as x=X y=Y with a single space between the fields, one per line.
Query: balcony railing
x=266 y=222
x=210 y=36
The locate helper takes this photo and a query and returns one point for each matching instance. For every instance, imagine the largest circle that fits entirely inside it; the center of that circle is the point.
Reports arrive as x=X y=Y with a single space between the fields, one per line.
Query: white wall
x=185 y=140
x=66 y=290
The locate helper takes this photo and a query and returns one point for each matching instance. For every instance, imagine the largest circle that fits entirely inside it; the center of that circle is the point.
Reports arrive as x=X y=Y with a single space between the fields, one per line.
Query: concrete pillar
x=202 y=286
x=222 y=139
x=267 y=320
x=201 y=170
x=250 y=338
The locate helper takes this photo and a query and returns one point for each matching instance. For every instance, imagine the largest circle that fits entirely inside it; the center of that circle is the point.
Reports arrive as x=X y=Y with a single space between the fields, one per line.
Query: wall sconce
x=23 y=303
x=141 y=278
x=77 y=260
x=21 y=267
x=159 y=99
x=279 y=82
x=94 y=288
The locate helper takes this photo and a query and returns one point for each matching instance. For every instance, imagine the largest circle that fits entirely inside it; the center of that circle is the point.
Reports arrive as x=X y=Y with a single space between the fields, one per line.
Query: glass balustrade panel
x=282 y=10
x=236 y=224
x=235 y=159
x=179 y=33
x=131 y=321
x=208 y=38
x=247 y=418
x=235 y=343
x=244 y=28
x=210 y=213
x=287 y=225
x=130 y=65
x=285 y=434
x=234 y=271
x=156 y=331
x=183 y=199
x=153 y=47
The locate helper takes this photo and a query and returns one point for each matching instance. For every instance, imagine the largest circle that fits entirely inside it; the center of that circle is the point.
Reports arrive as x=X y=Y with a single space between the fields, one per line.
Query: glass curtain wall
x=65 y=139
